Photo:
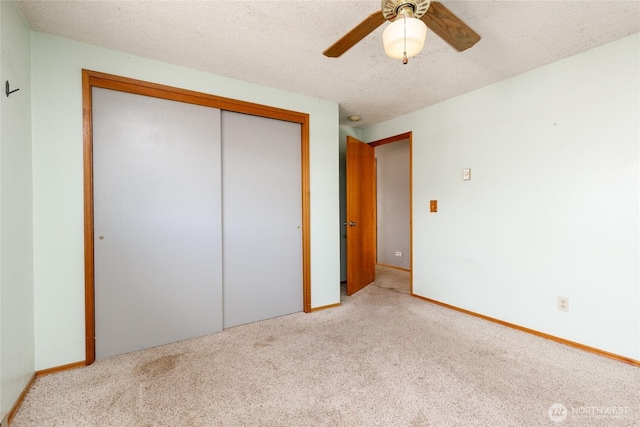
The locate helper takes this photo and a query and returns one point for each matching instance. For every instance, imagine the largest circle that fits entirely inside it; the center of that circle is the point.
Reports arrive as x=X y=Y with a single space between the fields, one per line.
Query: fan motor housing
x=392 y=9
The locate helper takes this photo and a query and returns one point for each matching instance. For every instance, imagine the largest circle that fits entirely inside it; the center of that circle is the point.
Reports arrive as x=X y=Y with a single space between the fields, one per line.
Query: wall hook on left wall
x=7 y=90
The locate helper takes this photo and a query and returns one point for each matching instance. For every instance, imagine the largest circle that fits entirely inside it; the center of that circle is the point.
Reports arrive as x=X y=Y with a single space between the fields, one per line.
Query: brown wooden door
x=361 y=215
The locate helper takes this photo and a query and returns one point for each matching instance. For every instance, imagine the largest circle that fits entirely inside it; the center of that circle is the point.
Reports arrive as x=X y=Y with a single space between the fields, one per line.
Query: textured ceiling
x=280 y=43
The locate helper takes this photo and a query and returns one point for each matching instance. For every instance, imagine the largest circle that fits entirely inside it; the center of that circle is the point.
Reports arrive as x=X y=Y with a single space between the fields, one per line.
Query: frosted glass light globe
x=393 y=37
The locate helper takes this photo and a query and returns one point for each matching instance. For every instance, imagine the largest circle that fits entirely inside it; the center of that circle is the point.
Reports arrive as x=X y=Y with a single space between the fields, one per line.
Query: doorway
x=389 y=246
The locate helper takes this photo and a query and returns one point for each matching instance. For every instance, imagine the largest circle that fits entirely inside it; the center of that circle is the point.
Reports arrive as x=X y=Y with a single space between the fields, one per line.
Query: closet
x=198 y=219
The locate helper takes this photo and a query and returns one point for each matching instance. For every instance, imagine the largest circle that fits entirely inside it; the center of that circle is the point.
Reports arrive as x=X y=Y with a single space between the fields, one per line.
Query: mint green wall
x=552 y=206
x=16 y=240
x=58 y=193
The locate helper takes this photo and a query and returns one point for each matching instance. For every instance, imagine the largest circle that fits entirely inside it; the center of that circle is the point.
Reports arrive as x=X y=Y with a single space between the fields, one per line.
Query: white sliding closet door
x=157 y=221
x=262 y=218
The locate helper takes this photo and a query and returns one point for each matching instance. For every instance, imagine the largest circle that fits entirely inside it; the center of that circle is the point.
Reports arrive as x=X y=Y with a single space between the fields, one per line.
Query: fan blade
x=449 y=27
x=354 y=36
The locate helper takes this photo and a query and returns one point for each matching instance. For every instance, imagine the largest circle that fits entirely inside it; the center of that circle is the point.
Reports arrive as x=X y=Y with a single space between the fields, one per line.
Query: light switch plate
x=433 y=206
x=466 y=174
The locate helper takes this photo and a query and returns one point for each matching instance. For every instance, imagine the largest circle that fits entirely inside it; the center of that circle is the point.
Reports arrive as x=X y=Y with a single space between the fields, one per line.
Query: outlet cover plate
x=563 y=304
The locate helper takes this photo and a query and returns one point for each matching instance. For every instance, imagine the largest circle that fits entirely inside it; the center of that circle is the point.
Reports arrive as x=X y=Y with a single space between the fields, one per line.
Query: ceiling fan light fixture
x=401 y=44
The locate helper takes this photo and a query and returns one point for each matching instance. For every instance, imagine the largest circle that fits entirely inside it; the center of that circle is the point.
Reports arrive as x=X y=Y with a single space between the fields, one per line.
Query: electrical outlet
x=563 y=304
x=399 y=254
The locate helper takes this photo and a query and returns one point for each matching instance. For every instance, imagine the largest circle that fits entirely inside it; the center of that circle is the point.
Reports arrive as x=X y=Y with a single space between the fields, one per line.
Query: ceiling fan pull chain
x=404 y=54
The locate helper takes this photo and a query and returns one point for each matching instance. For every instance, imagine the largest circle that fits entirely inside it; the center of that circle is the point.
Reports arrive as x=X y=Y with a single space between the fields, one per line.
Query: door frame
x=91 y=79
x=389 y=140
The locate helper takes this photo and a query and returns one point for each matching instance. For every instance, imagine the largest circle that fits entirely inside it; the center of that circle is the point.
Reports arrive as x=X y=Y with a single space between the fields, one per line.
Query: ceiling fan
x=405 y=36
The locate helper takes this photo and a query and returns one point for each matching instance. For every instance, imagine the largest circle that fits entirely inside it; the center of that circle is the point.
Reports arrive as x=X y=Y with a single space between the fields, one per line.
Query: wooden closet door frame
x=91 y=79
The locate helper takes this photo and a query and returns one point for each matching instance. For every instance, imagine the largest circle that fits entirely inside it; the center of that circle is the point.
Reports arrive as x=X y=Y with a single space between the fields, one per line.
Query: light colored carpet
x=383 y=358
